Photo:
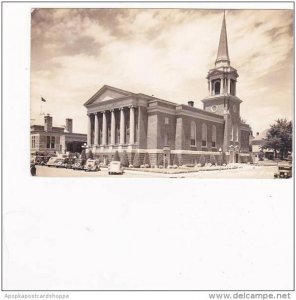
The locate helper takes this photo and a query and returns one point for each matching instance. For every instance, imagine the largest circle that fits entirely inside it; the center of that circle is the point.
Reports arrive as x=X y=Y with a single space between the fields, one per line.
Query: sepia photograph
x=161 y=93
x=148 y=147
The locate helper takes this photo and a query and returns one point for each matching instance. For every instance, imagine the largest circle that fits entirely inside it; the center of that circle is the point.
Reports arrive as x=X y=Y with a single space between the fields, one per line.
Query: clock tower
x=222 y=99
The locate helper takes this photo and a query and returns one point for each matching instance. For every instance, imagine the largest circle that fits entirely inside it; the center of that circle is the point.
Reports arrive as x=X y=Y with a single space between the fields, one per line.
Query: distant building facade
x=257 y=146
x=135 y=122
x=50 y=139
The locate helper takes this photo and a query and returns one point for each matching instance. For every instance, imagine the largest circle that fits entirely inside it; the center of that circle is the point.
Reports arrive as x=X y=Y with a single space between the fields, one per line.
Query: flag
x=43 y=100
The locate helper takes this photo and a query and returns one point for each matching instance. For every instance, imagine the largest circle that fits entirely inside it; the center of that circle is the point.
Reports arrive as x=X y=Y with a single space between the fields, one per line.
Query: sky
x=162 y=52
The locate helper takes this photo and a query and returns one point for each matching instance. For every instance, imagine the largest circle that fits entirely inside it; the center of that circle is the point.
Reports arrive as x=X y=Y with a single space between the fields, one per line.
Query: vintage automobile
x=51 y=161
x=59 y=163
x=78 y=164
x=68 y=163
x=115 y=167
x=91 y=165
x=284 y=171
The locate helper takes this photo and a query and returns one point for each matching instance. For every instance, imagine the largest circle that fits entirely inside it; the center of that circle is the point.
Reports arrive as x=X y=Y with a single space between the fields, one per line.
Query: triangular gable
x=107 y=93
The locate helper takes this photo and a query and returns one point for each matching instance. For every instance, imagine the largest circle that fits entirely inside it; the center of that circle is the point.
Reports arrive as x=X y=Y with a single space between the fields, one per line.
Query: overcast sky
x=164 y=52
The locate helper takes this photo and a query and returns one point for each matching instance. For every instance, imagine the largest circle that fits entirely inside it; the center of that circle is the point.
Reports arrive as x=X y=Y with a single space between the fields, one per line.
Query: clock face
x=214 y=108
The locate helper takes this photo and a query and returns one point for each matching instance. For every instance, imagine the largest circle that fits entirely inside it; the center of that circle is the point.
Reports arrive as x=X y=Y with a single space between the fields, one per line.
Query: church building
x=122 y=120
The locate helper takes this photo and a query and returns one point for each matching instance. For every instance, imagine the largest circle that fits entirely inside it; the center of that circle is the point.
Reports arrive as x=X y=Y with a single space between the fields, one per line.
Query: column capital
x=111 y=110
x=121 y=108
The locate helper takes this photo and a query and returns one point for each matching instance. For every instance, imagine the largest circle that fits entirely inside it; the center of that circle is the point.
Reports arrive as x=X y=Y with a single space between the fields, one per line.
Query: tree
x=116 y=156
x=279 y=137
x=124 y=159
x=136 y=161
x=89 y=155
x=83 y=154
x=146 y=159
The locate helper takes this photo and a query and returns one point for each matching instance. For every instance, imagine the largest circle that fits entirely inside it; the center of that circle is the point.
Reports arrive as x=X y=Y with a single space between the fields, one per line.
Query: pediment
x=107 y=93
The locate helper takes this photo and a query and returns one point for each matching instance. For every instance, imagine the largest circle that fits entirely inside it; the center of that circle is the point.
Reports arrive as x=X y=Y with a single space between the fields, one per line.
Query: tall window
x=166 y=139
x=231 y=133
x=204 y=135
x=52 y=142
x=217 y=85
x=214 y=136
x=235 y=133
x=33 y=144
x=232 y=87
x=48 y=142
x=193 y=134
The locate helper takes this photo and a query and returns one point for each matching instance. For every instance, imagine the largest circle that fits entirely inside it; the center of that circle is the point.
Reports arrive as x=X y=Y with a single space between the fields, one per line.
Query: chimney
x=69 y=125
x=47 y=123
x=191 y=103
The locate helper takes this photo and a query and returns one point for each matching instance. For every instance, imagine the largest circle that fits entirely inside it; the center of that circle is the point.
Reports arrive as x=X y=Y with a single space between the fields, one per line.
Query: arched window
x=232 y=87
x=214 y=136
x=193 y=134
x=204 y=135
x=217 y=85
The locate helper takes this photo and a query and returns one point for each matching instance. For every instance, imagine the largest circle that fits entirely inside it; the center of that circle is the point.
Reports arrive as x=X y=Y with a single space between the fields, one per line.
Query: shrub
x=176 y=160
x=220 y=160
x=136 y=161
x=160 y=160
x=213 y=160
x=124 y=159
x=261 y=155
x=202 y=160
x=146 y=160
x=116 y=156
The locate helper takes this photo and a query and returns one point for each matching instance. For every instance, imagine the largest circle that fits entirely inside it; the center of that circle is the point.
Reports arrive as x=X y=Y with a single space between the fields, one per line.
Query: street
x=245 y=171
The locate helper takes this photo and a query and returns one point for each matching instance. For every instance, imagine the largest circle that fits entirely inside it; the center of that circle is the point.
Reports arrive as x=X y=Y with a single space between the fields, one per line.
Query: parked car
x=78 y=164
x=284 y=171
x=115 y=167
x=51 y=161
x=91 y=165
x=59 y=163
x=68 y=164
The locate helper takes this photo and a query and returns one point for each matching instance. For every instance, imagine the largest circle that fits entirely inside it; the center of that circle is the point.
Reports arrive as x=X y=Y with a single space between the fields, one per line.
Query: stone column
x=221 y=86
x=96 y=140
x=104 y=129
x=132 y=125
x=89 y=130
x=122 y=125
x=228 y=86
x=210 y=91
x=112 y=127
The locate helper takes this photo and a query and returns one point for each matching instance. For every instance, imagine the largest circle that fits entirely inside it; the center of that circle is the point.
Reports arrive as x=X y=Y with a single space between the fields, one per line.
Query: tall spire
x=223 y=56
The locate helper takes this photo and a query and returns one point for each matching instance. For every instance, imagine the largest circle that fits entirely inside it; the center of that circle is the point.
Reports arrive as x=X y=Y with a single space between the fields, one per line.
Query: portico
x=114 y=128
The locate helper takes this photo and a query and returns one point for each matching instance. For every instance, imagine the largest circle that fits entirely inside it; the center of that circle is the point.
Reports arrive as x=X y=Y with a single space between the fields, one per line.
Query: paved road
x=248 y=171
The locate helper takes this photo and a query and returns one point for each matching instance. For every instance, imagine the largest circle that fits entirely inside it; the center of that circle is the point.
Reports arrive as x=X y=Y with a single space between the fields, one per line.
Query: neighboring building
x=135 y=122
x=258 y=142
x=50 y=139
